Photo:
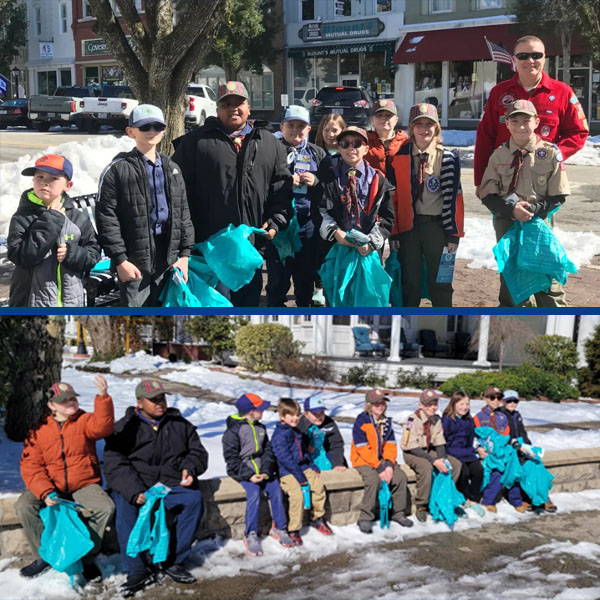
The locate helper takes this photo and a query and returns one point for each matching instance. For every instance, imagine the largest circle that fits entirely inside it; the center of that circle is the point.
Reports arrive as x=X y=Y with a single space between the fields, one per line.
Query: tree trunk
x=501 y=357
x=105 y=333
x=38 y=360
x=566 y=35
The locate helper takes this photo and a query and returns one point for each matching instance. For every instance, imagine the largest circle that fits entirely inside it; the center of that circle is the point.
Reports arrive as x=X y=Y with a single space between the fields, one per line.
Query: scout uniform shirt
x=542 y=173
x=432 y=198
x=421 y=432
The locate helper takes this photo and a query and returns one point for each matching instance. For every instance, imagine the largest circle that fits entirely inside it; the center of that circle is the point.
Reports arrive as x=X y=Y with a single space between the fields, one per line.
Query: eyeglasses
x=155 y=126
x=511 y=401
x=526 y=55
x=355 y=144
x=495 y=397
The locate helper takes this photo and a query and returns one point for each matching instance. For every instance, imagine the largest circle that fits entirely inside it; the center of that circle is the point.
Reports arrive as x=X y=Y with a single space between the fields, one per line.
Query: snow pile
x=139 y=362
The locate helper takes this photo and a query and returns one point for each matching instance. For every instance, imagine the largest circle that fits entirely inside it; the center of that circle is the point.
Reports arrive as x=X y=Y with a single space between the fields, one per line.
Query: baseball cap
x=232 y=88
x=493 y=391
x=144 y=114
x=429 y=397
x=249 y=402
x=423 y=110
x=353 y=129
x=59 y=392
x=296 y=113
x=525 y=107
x=385 y=104
x=149 y=388
x=314 y=404
x=376 y=395
x=510 y=394
x=51 y=163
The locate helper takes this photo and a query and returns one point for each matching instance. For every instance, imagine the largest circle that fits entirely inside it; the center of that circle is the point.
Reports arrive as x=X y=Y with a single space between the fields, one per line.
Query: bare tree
x=105 y=333
x=161 y=56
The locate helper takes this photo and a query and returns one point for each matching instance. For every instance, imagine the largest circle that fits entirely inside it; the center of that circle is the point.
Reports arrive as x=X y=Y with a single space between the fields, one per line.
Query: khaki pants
x=424 y=471
x=99 y=509
x=291 y=487
x=372 y=483
x=555 y=296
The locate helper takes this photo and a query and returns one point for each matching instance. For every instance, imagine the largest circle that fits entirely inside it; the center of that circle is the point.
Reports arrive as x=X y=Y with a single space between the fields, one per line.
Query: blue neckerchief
x=154 y=424
x=243 y=132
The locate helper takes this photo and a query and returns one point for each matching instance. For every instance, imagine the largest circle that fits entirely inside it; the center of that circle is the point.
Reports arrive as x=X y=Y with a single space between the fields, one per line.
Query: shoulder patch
x=574 y=99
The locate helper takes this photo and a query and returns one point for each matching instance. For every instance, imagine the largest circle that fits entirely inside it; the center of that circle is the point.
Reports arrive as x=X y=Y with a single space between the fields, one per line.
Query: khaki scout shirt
x=542 y=174
x=433 y=199
x=413 y=434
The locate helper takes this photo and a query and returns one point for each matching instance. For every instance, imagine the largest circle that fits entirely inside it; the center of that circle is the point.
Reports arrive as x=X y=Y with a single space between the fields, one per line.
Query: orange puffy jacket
x=64 y=458
x=377 y=156
x=368 y=448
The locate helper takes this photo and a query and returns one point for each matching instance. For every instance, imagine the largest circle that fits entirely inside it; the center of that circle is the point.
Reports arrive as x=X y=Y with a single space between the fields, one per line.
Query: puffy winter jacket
x=334 y=442
x=369 y=448
x=516 y=426
x=63 y=456
x=290 y=448
x=378 y=156
x=33 y=237
x=137 y=455
x=247 y=450
x=123 y=212
x=224 y=186
x=460 y=435
x=495 y=419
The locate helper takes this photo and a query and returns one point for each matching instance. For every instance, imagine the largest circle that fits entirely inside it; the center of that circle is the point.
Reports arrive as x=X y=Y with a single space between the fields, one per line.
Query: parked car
x=201 y=103
x=62 y=108
x=354 y=104
x=305 y=97
x=15 y=113
x=111 y=108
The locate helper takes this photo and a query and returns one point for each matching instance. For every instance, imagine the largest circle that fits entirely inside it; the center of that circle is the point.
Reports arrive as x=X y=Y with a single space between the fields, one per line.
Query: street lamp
x=15 y=73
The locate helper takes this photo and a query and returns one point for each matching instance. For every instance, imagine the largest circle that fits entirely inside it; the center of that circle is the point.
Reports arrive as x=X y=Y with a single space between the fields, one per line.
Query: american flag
x=500 y=54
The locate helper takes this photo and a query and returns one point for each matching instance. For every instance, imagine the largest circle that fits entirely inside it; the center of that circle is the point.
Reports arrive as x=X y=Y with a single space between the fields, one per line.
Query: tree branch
x=136 y=27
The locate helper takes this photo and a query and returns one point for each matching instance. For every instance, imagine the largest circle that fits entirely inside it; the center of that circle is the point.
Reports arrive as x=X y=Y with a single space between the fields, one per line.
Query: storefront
x=96 y=66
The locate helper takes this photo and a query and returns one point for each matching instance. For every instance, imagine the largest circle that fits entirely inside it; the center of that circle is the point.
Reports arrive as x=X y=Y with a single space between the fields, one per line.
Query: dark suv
x=14 y=113
x=354 y=104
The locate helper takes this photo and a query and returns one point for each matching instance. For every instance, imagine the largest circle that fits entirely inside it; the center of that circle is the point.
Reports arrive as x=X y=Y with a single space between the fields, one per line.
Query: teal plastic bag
x=153 y=538
x=176 y=292
x=385 y=505
x=498 y=450
x=444 y=498
x=231 y=256
x=536 y=480
x=102 y=265
x=288 y=241
x=65 y=539
x=350 y=279
x=394 y=270
x=316 y=439
x=197 y=265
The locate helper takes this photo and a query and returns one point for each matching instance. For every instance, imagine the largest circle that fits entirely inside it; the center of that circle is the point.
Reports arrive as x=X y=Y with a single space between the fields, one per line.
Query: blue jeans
x=186 y=506
x=493 y=489
x=253 y=493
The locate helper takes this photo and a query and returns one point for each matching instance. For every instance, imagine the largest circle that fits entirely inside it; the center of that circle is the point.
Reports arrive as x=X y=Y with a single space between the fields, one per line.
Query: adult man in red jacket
x=562 y=120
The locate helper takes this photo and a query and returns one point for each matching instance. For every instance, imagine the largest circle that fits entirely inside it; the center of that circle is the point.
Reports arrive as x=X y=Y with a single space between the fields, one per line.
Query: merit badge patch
x=541 y=153
x=552 y=98
x=574 y=100
x=507 y=99
x=433 y=184
x=541 y=180
x=545 y=131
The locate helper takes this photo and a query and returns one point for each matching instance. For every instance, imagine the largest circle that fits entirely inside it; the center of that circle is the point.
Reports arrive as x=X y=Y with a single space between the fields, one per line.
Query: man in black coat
x=235 y=171
x=151 y=444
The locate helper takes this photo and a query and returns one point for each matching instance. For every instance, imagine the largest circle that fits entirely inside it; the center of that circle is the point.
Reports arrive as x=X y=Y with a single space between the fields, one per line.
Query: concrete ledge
x=225 y=499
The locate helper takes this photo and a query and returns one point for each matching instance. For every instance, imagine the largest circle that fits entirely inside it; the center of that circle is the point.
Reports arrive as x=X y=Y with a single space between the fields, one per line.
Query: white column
x=445 y=92
x=320 y=335
x=395 y=339
x=560 y=325
x=587 y=326
x=286 y=320
x=484 y=336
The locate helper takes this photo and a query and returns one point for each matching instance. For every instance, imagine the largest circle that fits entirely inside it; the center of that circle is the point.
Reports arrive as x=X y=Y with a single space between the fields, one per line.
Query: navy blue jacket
x=460 y=434
x=515 y=424
x=290 y=447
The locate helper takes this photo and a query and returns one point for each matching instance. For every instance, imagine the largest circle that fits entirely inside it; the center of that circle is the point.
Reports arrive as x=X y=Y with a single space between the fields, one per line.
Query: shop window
x=91 y=77
x=46 y=82
x=489 y=4
x=375 y=76
x=440 y=6
x=37 y=20
x=65 y=77
x=384 y=5
x=86 y=9
x=326 y=71
x=470 y=85
x=260 y=88
x=307 y=10
x=304 y=81
x=428 y=84
x=595 y=113
x=63 y=23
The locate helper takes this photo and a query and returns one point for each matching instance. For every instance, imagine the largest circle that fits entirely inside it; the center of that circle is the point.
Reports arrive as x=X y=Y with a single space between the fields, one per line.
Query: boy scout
x=525 y=178
x=424 y=447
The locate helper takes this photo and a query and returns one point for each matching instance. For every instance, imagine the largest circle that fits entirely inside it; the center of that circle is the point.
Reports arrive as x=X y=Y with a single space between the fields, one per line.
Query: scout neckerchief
x=426 y=427
x=350 y=198
x=237 y=137
x=517 y=164
x=154 y=424
x=381 y=425
x=423 y=156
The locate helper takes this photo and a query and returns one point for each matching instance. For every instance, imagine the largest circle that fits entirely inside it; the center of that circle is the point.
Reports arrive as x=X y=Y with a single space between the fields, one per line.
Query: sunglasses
x=512 y=401
x=526 y=55
x=495 y=397
x=156 y=126
x=355 y=144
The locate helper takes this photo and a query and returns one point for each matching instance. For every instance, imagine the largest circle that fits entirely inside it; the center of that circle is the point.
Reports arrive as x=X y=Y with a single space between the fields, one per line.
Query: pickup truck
x=61 y=108
x=201 y=103
x=112 y=108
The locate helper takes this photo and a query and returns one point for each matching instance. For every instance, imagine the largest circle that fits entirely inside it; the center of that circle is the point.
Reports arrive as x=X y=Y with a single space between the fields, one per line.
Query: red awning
x=463 y=43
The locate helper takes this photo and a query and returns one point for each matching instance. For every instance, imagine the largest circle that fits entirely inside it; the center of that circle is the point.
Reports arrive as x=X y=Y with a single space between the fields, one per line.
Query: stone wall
x=225 y=501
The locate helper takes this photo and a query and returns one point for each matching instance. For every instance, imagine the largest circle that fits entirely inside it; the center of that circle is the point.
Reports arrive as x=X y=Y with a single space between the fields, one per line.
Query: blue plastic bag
x=394 y=270
x=385 y=505
x=232 y=256
x=350 y=279
x=316 y=439
x=65 y=539
x=143 y=537
x=444 y=498
x=536 y=480
x=287 y=242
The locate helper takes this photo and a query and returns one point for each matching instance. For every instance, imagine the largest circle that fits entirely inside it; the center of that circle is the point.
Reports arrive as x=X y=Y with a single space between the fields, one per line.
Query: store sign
x=98 y=46
x=46 y=50
x=341 y=30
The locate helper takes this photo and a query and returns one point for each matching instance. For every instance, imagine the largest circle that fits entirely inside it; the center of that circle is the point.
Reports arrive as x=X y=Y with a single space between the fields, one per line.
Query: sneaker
x=490 y=508
x=550 y=506
x=365 y=526
x=37 y=567
x=252 y=544
x=135 y=583
x=403 y=521
x=321 y=525
x=91 y=572
x=421 y=514
x=521 y=509
x=179 y=574
x=477 y=508
x=318 y=298
x=461 y=513
x=296 y=538
x=281 y=535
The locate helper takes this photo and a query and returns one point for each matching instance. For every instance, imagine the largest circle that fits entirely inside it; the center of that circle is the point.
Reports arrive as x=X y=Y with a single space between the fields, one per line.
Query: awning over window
x=464 y=43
